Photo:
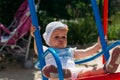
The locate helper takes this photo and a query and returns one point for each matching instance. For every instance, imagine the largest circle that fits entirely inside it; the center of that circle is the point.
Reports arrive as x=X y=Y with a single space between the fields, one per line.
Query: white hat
x=50 y=28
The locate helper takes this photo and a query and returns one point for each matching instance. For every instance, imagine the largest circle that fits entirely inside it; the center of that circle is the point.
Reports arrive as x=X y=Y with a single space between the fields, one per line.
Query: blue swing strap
x=57 y=60
x=59 y=66
x=37 y=34
x=100 y=28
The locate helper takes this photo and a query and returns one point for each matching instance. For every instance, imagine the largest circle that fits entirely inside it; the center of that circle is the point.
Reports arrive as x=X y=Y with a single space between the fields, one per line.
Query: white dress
x=66 y=56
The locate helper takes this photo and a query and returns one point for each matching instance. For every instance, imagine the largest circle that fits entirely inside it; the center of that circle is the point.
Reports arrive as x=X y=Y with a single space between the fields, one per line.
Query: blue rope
x=58 y=62
x=100 y=28
x=37 y=35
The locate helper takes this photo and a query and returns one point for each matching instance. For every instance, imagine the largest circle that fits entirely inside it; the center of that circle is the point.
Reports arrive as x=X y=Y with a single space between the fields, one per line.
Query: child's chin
x=62 y=47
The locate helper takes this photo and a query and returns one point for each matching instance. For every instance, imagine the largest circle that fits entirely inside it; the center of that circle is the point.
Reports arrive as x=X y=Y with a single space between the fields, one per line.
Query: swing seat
x=114 y=76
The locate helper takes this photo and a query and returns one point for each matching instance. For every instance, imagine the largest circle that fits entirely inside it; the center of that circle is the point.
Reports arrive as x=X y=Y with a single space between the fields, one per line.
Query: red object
x=105 y=17
x=114 y=76
x=105 y=20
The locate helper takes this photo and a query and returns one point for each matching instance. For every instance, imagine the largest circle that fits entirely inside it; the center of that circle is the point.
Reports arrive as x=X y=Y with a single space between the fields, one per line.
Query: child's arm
x=81 y=53
x=35 y=48
x=32 y=30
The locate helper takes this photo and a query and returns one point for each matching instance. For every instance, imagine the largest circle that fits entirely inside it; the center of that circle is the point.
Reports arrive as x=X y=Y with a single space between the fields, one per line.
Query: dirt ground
x=15 y=71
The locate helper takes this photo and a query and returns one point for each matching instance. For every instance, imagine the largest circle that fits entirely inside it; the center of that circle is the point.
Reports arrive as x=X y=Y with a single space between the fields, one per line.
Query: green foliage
x=114 y=33
x=77 y=14
x=114 y=6
x=82 y=31
x=114 y=27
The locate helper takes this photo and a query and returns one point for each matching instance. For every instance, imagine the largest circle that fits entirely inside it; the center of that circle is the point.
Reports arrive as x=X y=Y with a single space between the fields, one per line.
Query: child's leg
x=110 y=67
x=50 y=71
x=57 y=79
x=91 y=72
x=114 y=61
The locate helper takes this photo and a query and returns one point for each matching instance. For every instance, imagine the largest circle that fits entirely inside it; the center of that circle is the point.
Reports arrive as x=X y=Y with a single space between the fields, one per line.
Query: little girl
x=55 y=36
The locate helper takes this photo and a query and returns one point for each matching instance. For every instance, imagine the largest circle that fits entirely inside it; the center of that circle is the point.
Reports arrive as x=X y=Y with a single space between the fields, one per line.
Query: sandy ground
x=15 y=71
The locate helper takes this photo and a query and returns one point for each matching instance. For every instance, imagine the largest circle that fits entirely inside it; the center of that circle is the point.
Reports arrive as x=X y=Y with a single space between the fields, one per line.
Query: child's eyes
x=58 y=37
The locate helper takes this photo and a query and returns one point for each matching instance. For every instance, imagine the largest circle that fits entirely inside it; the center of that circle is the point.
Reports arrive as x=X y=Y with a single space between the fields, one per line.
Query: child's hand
x=99 y=43
x=106 y=39
x=32 y=30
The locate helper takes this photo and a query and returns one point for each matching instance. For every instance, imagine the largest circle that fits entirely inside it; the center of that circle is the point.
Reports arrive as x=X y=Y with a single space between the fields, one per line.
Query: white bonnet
x=50 y=28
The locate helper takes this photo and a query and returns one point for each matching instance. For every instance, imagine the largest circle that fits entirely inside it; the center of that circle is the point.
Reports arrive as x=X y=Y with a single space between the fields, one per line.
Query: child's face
x=58 y=38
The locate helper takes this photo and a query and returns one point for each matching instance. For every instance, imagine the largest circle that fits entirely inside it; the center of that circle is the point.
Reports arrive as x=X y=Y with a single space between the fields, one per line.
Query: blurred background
x=77 y=14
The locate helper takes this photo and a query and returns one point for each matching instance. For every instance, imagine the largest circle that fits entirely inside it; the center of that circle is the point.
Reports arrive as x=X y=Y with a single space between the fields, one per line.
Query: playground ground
x=14 y=71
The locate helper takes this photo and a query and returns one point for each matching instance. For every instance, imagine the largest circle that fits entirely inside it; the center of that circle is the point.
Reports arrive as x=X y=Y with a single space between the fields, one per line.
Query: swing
x=105 y=48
